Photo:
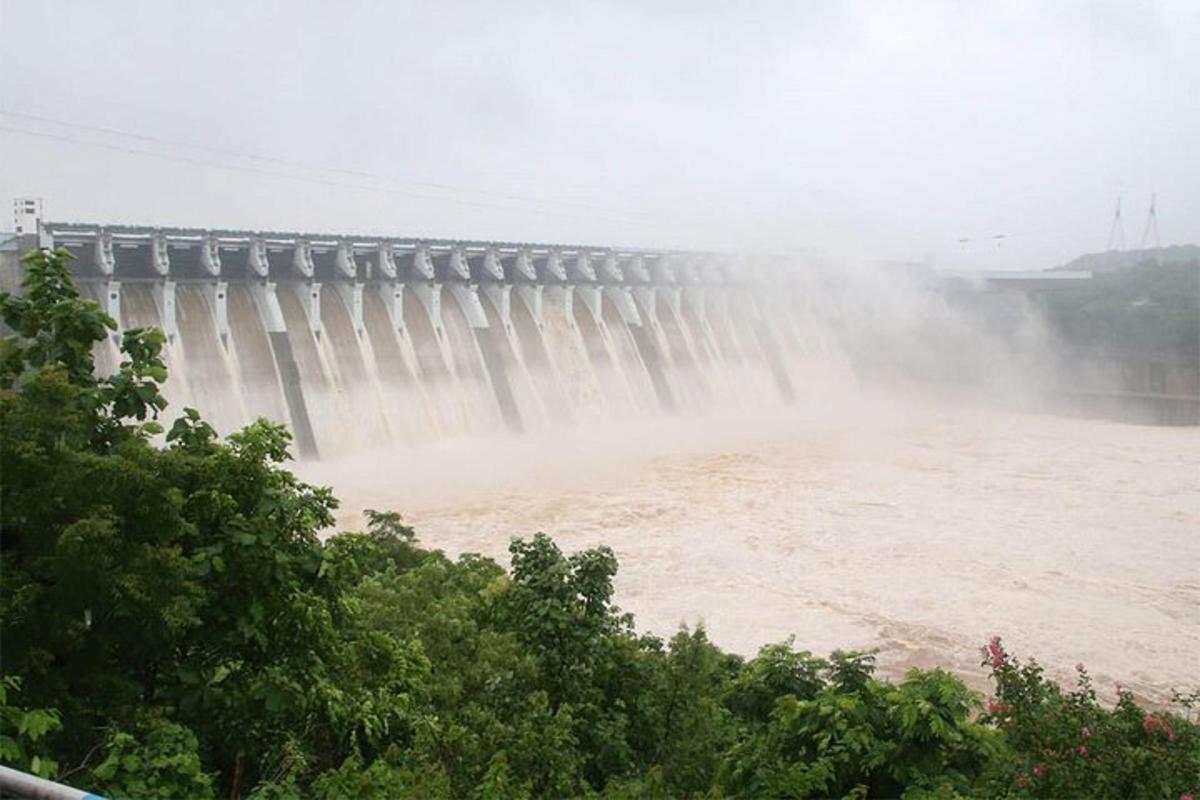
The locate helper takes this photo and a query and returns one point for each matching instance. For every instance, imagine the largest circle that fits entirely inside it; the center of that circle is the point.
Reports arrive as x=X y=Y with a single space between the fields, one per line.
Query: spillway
x=248 y=342
x=405 y=405
x=358 y=343
x=210 y=377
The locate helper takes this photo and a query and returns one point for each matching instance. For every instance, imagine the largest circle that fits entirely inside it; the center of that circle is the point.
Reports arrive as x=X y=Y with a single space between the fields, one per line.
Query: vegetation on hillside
x=1148 y=310
x=173 y=627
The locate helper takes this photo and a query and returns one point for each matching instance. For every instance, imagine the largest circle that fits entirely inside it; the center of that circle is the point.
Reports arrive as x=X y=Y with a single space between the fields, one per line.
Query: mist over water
x=861 y=462
x=858 y=520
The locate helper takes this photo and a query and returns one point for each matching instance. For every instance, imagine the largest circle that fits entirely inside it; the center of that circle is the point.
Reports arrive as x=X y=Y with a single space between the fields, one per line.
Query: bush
x=159 y=759
x=1065 y=744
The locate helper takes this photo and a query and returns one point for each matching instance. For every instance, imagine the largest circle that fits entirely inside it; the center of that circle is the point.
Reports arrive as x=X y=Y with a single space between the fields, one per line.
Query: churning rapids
x=845 y=518
x=915 y=529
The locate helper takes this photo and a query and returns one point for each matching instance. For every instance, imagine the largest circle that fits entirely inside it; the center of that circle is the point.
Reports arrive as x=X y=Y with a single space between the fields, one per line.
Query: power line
x=305 y=165
x=289 y=176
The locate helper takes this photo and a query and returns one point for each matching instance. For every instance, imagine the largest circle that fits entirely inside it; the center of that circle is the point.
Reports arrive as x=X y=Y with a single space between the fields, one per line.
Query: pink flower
x=1080 y=667
x=994 y=652
x=1083 y=750
x=1040 y=770
x=1186 y=797
x=1023 y=782
x=1153 y=725
x=1086 y=732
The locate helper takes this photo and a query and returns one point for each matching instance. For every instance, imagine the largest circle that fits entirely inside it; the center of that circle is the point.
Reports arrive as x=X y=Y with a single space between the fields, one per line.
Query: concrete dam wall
x=366 y=342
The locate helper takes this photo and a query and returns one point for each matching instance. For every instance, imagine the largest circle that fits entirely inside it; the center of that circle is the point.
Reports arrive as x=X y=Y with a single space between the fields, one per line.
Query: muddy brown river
x=915 y=529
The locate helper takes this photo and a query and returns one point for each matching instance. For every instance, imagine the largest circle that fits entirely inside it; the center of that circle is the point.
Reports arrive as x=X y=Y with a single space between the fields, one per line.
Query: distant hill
x=1148 y=310
x=1115 y=260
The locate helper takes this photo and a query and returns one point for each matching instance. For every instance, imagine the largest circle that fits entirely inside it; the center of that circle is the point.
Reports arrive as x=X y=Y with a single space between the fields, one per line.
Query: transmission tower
x=1117 y=229
x=1151 y=223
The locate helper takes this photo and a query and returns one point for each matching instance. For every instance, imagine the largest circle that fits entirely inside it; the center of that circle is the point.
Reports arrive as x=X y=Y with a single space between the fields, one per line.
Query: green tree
x=159 y=760
x=188 y=578
x=22 y=731
x=847 y=734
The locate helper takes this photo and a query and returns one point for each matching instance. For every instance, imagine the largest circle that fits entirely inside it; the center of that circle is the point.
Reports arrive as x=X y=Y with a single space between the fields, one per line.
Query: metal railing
x=23 y=786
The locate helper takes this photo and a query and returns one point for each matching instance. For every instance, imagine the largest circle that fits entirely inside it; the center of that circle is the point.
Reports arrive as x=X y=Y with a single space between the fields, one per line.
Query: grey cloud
x=866 y=129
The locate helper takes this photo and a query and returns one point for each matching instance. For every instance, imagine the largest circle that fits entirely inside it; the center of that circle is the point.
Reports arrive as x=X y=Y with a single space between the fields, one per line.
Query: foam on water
x=848 y=521
x=856 y=523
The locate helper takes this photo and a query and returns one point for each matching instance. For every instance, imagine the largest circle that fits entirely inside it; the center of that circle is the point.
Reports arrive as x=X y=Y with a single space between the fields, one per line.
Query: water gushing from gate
x=359 y=344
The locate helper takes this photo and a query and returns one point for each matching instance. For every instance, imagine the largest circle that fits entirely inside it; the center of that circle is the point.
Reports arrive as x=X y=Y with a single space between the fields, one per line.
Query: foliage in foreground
x=179 y=630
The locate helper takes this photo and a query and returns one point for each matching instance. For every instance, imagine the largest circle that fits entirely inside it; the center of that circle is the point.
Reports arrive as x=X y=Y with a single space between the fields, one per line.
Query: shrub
x=1065 y=744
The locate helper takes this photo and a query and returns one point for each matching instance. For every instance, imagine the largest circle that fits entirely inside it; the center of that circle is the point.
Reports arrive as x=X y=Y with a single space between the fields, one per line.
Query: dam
x=362 y=342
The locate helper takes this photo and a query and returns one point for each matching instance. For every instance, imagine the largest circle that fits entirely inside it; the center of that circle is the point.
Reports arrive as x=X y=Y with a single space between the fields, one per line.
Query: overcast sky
x=867 y=130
